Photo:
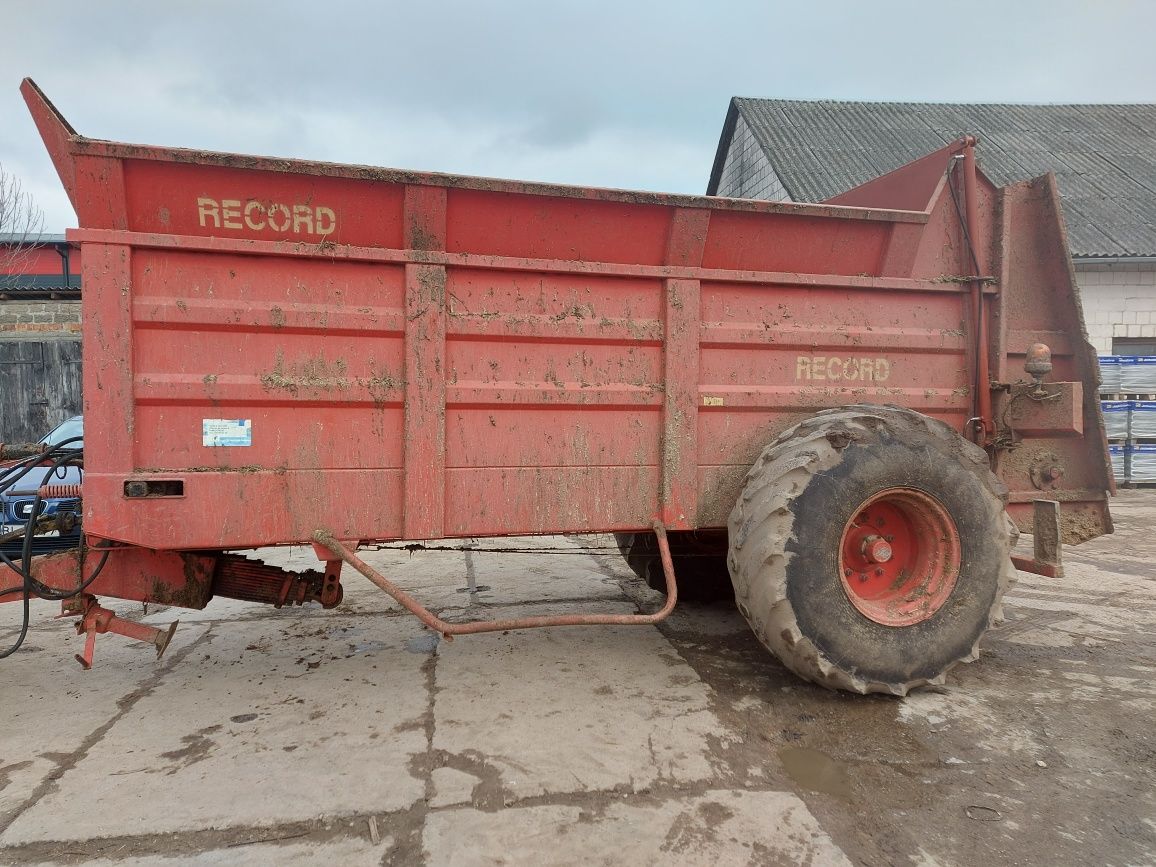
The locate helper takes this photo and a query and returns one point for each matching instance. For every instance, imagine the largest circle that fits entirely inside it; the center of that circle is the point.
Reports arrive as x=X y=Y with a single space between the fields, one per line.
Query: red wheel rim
x=899 y=557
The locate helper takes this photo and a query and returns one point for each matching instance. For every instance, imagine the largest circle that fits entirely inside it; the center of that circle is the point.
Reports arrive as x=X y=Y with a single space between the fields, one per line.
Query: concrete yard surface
x=356 y=736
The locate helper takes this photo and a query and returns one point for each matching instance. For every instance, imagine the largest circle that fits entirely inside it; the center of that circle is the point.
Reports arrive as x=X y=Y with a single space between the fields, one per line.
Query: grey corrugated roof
x=39 y=281
x=1104 y=156
x=32 y=239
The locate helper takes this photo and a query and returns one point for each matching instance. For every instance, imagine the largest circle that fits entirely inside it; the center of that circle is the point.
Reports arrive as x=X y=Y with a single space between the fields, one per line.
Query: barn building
x=1105 y=165
x=39 y=335
x=1103 y=157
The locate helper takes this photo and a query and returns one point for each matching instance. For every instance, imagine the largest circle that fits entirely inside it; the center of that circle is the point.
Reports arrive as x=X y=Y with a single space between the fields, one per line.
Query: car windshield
x=74 y=427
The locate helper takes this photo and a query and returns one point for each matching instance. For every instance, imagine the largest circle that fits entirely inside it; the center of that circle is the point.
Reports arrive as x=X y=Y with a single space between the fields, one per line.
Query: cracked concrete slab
x=11 y=613
x=570 y=574
x=678 y=744
x=613 y=707
x=346 y=852
x=53 y=709
x=274 y=722
x=718 y=827
x=452 y=787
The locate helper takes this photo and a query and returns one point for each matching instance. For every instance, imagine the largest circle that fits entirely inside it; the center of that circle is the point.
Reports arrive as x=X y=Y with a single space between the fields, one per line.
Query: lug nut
x=878 y=572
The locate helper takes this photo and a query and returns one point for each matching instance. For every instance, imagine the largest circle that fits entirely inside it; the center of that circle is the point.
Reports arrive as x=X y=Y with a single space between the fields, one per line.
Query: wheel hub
x=900 y=557
x=876 y=549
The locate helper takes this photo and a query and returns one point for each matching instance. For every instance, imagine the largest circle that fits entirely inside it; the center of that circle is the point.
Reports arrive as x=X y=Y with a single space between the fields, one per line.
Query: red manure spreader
x=847 y=410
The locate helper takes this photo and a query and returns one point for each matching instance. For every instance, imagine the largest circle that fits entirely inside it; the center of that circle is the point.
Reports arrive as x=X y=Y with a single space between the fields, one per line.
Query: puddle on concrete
x=427 y=642
x=983 y=814
x=815 y=771
x=370 y=646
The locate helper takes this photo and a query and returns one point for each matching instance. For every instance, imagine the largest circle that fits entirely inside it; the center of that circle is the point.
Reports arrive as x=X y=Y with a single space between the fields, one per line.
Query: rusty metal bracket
x=40 y=525
x=326 y=540
x=95 y=620
x=13 y=451
x=1028 y=410
x=1048 y=556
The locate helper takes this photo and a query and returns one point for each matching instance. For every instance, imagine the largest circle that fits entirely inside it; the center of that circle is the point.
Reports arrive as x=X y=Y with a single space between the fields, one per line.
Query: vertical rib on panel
x=425 y=385
x=898 y=257
x=679 y=500
x=108 y=356
x=100 y=199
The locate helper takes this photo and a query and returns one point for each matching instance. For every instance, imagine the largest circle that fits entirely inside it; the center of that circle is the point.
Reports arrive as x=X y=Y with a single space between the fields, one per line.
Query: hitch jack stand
x=1048 y=552
x=95 y=619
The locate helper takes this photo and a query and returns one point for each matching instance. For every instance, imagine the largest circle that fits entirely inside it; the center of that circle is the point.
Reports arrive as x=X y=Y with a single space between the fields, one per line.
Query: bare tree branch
x=21 y=224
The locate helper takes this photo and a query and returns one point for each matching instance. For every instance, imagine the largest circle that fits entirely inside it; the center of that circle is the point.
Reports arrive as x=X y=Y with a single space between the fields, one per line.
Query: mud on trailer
x=850 y=407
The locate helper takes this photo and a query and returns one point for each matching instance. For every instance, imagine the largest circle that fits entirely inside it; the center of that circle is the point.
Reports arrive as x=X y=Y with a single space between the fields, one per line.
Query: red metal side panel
x=309 y=351
x=223 y=202
x=772 y=354
x=558 y=373
x=415 y=392
x=808 y=245
x=554 y=400
x=569 y=229
x=396 y=355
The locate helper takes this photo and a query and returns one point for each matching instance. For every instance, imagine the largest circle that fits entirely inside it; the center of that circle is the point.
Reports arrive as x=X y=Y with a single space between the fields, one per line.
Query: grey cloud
x=597 y=92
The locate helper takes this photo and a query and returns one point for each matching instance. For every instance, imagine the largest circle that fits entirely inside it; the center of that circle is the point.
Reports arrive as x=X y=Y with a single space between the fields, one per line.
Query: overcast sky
x=620 y=94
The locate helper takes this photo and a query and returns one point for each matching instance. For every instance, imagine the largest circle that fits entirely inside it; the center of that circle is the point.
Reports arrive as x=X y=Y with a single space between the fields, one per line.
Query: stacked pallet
x=1128 y=402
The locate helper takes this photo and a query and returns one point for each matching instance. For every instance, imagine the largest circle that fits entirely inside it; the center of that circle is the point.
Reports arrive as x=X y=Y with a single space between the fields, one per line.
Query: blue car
x=17 y=501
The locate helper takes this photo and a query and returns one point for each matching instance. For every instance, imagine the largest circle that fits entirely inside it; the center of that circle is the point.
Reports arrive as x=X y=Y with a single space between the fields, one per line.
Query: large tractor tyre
x=699 y=557
x=869 y=549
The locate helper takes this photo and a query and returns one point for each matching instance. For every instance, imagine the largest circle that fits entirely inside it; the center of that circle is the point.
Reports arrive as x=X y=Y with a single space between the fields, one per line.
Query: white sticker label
x=227 y=432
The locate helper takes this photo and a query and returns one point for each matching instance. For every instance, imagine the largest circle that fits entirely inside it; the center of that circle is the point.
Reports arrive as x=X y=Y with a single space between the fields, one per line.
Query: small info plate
x=227 y=432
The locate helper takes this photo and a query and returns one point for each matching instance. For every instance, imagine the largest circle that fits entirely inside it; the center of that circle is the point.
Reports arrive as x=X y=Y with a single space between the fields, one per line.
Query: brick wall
x=39 y=316
x=1119 y=301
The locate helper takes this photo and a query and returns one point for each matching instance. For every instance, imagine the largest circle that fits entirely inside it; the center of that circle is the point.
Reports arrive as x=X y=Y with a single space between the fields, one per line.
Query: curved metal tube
x=448 y=630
